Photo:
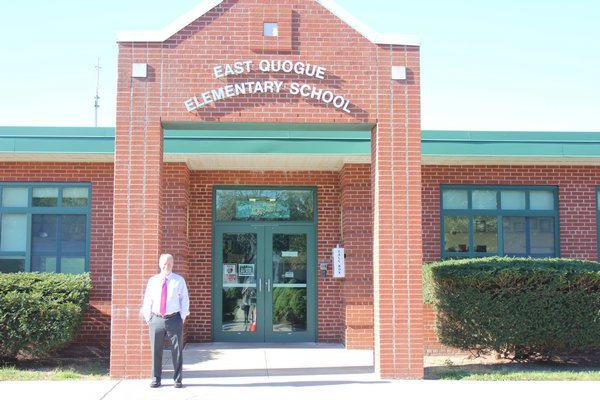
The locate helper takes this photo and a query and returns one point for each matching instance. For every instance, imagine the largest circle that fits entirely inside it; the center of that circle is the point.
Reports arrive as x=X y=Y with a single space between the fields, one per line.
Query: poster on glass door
x=230 y=273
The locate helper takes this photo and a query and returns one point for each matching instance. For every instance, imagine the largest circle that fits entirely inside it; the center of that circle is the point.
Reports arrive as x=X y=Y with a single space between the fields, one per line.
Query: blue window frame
x=44 y=227
x=479 y=221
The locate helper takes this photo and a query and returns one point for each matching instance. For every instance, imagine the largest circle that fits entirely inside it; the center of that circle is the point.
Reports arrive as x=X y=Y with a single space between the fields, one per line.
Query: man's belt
x=167 y=316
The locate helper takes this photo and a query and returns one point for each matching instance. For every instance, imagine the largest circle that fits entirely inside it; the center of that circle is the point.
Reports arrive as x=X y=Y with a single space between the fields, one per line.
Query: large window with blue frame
x=479 y=221
x=44 y=227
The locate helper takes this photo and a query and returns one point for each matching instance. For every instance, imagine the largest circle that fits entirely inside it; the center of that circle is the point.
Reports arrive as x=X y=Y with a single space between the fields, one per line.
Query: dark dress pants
x=173 y=328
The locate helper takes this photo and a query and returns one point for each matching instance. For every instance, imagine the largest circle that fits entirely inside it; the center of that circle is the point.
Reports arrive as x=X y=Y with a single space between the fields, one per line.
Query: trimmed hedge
x=517 y=307
x=40 y=312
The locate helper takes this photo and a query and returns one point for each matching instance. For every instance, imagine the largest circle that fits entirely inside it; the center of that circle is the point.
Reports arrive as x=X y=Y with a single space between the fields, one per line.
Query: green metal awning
x=510 y=145
x=57 y=140
x=300 y=145
x=267 y=138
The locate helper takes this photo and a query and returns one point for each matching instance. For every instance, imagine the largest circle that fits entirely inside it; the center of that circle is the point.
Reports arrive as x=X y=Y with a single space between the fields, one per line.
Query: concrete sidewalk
x=309 y=371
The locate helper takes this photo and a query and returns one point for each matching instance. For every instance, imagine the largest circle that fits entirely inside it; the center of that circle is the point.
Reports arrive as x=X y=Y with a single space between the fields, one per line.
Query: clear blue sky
x=486 y=64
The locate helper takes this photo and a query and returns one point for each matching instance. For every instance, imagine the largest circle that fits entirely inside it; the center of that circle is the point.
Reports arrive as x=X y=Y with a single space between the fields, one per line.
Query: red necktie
x=163 y=298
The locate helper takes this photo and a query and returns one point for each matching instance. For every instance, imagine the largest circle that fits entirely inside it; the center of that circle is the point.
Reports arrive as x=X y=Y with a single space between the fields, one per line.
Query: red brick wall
x=357 y=239
x=182 y=67
x=175 y=205
x=576 y=202
x=175 y=208
x=96 y=324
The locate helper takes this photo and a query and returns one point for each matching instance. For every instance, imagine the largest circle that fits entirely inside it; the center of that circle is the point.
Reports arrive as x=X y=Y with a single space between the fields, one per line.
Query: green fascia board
x=267 y=146
x=286 y=138
x=264 y=126
x=259 y=131
x=511 y=136
x=275 y=135
x=55 y=131
x=57 y=140
x=510 y=144
x=264 y=138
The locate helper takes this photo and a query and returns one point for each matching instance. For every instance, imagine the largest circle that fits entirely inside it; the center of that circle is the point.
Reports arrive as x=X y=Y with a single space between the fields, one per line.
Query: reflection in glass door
x=289 y=268
x=239 y=280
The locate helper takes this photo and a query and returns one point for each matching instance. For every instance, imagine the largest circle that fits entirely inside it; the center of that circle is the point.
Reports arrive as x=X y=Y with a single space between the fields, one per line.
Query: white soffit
x=58 y=157
x=261 y=162
x=206 y=6
x=502 y=160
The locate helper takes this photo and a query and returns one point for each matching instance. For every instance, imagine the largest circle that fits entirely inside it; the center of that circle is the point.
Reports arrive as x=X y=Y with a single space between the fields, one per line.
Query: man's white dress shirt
x=177 y=296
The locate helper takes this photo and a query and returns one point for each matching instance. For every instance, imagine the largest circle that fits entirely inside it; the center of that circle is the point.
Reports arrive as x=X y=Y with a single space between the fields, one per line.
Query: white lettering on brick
x=305 y=90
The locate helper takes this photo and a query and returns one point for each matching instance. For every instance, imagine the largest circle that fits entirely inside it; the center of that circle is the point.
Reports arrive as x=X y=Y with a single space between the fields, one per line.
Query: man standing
x=166 y=306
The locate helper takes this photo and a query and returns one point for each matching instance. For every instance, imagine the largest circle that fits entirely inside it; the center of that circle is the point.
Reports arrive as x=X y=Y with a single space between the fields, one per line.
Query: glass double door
x=264 y=283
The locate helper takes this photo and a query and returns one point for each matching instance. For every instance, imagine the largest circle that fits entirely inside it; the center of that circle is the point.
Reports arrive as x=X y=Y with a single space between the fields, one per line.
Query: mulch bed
x=75 y=357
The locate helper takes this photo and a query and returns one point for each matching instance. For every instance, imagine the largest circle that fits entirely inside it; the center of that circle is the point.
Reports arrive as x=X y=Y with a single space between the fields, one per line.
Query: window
x=44 y=227
x=264 y=204
x=270 y=29
x=478 y=221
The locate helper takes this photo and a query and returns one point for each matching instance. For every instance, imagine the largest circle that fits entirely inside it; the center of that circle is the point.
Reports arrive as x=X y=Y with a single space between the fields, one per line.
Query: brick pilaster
x=137 y=227
x=175 y=222
x=357 y=236
x=397 y=249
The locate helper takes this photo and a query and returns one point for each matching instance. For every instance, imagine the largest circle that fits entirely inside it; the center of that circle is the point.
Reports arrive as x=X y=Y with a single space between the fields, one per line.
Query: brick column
x=176 y=202
x=357 y=236
x=137 y=229
x=397 y=251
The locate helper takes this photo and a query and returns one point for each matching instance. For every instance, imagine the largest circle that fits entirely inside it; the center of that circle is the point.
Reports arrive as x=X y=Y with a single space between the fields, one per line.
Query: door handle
x=260 y=284
x=268 y=283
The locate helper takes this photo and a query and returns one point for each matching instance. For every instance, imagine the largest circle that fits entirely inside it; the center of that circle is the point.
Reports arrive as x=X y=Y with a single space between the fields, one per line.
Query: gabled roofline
x=204 y=7
x=366 y=31
x=172 y=28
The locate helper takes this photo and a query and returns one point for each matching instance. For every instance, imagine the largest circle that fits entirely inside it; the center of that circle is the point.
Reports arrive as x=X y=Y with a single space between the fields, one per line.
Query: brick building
x=253 y=139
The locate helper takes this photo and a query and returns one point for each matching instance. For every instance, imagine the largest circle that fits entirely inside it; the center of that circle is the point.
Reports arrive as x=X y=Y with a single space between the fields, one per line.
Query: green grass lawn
x=94 y=370
x=441 y=368
x=513 y=372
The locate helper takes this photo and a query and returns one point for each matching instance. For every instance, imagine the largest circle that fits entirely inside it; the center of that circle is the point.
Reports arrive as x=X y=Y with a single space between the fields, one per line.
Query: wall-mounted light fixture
x=323 y=267
x=139 y=70
x=398 y=73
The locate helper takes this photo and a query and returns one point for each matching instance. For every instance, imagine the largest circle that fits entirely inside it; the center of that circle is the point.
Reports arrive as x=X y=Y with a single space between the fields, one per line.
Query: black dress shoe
x=178 y=385
x=154 y=384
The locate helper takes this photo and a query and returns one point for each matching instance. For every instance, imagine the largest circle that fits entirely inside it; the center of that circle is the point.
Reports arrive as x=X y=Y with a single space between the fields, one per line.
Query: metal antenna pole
x=96 y=104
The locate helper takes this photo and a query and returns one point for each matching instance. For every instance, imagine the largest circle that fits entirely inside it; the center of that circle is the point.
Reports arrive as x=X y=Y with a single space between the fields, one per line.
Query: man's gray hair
x=165 y=257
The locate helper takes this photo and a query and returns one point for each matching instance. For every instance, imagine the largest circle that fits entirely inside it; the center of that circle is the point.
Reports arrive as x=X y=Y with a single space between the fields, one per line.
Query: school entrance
x=264 y=264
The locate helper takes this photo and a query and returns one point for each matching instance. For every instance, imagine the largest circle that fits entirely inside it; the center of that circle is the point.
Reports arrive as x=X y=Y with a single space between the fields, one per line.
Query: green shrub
x=516 y=307
x=40 y=312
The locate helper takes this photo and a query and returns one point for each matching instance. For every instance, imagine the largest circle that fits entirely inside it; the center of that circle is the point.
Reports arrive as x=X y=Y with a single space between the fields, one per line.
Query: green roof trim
x=302 y=139
x=264 y=126
x=510 y=144
x=57 y=140
x=264 y=138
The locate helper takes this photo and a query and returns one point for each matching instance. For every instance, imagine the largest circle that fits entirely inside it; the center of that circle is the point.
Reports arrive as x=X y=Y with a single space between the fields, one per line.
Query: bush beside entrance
x=40 y=312
x=516 y=307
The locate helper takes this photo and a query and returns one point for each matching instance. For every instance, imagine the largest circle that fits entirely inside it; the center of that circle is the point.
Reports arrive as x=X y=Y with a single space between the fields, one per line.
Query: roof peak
x=207 y=5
